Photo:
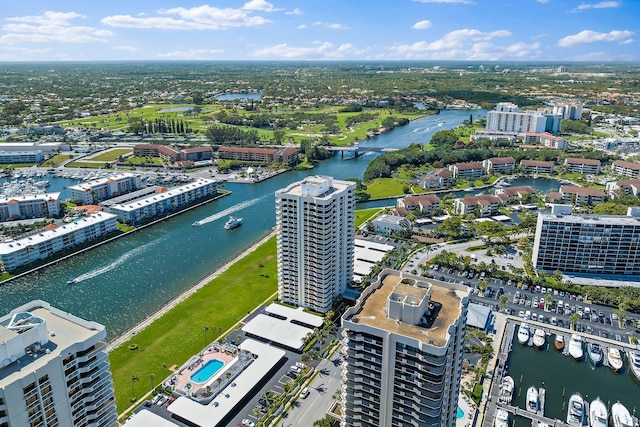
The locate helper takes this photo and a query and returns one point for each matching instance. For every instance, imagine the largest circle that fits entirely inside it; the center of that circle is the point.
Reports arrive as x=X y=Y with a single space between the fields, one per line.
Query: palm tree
x=573 y=320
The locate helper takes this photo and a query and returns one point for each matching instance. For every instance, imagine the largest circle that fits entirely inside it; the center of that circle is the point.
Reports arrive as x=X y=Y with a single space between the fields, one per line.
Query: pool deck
x=179 y=380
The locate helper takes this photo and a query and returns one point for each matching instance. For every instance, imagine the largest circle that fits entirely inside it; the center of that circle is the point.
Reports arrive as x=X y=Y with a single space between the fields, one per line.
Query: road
x=306 y=411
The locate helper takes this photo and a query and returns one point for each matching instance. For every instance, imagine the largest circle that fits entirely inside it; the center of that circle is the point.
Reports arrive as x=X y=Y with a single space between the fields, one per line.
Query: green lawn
x=112 y=155
x=56 y=160
x=87 y=165
x=363 y=215
x=179 y=334
x=385 y=187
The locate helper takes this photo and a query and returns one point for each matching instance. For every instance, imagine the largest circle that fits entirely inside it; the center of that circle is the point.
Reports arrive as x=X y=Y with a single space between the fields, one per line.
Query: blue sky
x=482 y=30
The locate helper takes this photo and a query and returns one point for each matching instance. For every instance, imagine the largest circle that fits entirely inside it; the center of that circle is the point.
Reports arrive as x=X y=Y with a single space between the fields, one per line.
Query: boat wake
x=118 y=262
x=231 y=210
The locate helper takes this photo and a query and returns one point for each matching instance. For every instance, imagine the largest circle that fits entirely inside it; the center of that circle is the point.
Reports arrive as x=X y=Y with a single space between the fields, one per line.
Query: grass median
x=181 y=333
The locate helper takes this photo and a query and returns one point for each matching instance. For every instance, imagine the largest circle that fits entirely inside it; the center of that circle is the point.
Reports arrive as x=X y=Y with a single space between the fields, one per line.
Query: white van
x=304 y=393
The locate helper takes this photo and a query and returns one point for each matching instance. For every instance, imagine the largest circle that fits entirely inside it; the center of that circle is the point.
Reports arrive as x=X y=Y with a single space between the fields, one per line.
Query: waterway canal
x=121 y=283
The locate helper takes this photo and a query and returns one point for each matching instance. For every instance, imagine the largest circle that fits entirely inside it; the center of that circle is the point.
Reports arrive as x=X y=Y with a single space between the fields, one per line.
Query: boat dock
x=536 y=418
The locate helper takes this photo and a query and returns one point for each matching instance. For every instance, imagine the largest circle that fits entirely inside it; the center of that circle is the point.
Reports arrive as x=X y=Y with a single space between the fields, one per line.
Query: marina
x=557 y=379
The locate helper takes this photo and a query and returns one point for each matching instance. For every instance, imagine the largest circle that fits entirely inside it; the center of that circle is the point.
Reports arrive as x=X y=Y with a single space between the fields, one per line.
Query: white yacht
x=524 y=333
x=575 y=411
x=620 y=416
x=575 y=347
x=506 y=390
x=502 y=418
x=539 y=338
x=614 y=359
x=634 y=362
x=598 y=414
x=532 y=399
x=233 y=222
x=596 y=355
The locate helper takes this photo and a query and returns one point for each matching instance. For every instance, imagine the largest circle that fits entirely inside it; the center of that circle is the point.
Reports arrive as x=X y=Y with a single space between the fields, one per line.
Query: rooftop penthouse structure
x=54 y=369
x=402 y=353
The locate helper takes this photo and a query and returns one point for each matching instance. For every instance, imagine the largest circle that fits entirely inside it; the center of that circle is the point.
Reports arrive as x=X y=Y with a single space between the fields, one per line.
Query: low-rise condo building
x=92 y=192
x=402 y=353
x=29 y=206
x=630 y=169
x=596 y=245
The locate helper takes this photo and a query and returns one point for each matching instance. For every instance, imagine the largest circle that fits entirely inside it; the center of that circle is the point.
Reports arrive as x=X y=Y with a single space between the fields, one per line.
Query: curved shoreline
x=119 y=340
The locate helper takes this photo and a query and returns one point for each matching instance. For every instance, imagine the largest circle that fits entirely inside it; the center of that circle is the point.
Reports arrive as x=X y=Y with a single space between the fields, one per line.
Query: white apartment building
x=54 y=370
x=164 y=200
x=315 y=221
x=29 y=206
x=596 y=245
x=24 y=251
x=507 y=117
x=35 y=156
x=402 y=353
x=105 y=188
x=568 y=110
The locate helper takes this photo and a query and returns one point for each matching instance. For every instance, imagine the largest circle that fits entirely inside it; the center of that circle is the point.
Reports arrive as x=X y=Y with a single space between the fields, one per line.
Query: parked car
x=248 y=423
x=304 y=393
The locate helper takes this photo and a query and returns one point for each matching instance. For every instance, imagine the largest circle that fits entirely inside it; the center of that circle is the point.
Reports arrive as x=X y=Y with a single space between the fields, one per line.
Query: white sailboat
x=575 y=347
x=598 y=414
x=620 y=416
x=524 y=333
x=614 y=359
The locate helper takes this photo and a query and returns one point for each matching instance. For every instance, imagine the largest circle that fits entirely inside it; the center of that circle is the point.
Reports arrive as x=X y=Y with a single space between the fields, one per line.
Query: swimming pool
x=460 y=413
x=207 y=370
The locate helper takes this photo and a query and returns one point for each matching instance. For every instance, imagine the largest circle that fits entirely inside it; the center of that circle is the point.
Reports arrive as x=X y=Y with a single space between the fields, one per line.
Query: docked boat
x=196 y=224
x=233 y=222
x=559 y=342
x=502 y=418
x=614 y=359
x=634 y=362
x=598 y=414
x=596 y=355
x=71 y=281
x=539 y=338
x=575 y=411
x=506 y=390
x=620 y=416
x=575 y=347
x=524 y=333
x=532 y=399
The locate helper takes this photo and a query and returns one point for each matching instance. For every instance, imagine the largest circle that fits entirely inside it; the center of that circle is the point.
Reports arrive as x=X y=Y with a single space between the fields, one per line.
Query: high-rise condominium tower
x=54 y=370
x=402 y=357
x=315 y=220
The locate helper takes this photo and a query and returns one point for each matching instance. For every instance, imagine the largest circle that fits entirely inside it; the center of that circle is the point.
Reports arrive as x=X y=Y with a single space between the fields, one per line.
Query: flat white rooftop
x=501 y=218
x=146 y=418
x=295 y=314
x=212 y=414
x=280 y=331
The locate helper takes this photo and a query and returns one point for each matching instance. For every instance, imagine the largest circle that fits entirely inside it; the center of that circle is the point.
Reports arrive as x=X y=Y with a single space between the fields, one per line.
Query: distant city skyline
x=477 y=30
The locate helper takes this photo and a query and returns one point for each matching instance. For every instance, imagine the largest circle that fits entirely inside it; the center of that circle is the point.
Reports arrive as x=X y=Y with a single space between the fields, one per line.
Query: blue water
x=207 y=371
x=175 y=109
x=460 y=413
x=234 y=96
x=121 y=283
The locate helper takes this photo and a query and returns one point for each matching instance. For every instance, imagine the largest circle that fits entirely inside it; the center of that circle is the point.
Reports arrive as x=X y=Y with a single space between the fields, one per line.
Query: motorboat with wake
x=575 y=411
x=524 y=333
x=575 y=347
x=506 y=390
x=233 y=222
x=596 y=355
x=539 y=338
x=72 y=281
x=598 y=414
x=196 y=224
x=532 y=399
x=614 y=359
x=620 y=416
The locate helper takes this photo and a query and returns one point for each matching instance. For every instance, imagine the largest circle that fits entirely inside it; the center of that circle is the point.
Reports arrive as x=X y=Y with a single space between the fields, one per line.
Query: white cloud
x=444 y=1
x=330 y=25
x=191 y=54
x=127 y=48
x=301 y=27
x=588 y=36
x=295 y=11
x=542 y=1
x=318 y=50
x=600 y=5
x=261 y=5
x=196 y=18
x=50 y=27
x=422 y=25
x=467 y=44
x=627 y=41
